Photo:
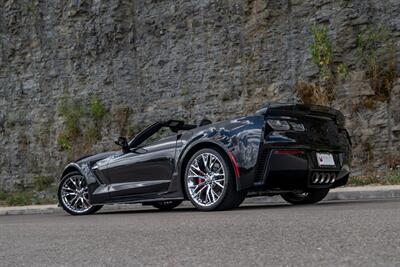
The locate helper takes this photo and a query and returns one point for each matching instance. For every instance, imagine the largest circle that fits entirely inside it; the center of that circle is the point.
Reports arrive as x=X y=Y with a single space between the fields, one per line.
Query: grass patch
x=393 y=178
x=19 y=198
x=24 y=198
x=364 y=180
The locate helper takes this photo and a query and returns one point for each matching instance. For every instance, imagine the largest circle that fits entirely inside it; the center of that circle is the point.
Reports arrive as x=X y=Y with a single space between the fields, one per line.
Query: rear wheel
x=209 y=181
x=167 y=205
x=307 y=197
x=73 y=195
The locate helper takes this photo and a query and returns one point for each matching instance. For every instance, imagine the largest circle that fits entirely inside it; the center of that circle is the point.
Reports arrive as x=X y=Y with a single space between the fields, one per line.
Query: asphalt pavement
x=338 y=233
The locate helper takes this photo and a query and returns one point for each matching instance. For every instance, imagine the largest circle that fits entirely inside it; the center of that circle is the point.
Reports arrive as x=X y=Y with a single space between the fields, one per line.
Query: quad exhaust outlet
x=323 y=178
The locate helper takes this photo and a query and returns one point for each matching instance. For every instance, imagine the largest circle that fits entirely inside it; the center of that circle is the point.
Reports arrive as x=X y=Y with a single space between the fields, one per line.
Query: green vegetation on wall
x=377 y=56
x=43 y=182
x=321 y=51
x=330 y=69
x=82 y=124
x=71 y=112
x=97 y=109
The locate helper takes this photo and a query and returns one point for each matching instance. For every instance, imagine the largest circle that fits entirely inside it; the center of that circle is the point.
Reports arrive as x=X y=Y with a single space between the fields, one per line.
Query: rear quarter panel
x=241 y=137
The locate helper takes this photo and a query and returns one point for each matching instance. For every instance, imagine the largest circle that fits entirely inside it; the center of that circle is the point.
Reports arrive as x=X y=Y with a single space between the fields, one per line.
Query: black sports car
x=296 y=151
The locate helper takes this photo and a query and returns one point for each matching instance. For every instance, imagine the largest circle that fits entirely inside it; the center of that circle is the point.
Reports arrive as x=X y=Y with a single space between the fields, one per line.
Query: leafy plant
x=394 y=178
x=64 y=142
x=321 y=51
x=342 y=71
x=75 y=131
x=97 y=109
x=377 y=55
x=71 y=112
x=3 y=195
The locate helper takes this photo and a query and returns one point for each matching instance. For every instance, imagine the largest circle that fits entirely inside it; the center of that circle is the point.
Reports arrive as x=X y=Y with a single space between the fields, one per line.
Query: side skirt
x=143 y=201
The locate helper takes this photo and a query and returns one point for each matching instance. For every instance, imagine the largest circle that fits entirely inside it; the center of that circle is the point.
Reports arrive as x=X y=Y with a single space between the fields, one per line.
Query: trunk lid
x=324 y=126
x=308 y=111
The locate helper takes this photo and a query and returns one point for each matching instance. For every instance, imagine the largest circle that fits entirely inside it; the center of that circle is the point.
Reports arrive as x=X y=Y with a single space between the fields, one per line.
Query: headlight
x=297 y=126
x=282 y=125
x=279 y=125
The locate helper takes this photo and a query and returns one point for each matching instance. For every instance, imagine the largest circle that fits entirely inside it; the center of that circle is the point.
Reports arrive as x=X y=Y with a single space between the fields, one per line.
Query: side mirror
x=123 y=142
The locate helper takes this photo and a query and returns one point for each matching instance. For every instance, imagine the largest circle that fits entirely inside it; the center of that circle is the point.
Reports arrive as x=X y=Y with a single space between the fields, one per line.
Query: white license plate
x=325 y=159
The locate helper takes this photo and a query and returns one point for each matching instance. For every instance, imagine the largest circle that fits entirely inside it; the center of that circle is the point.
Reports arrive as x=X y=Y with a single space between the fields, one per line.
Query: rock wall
x=188 y=59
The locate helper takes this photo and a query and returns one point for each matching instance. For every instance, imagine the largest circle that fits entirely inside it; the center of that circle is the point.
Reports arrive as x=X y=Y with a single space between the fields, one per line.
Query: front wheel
x=73 y=195
x=307 y=197
x=210 y=183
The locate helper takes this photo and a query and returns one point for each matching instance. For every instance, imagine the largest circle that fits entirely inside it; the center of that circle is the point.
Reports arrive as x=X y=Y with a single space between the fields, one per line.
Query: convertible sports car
x=296 y=151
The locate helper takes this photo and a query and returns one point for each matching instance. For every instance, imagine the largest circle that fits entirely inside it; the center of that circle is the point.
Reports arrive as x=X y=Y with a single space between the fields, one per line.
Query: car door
x=147 y=169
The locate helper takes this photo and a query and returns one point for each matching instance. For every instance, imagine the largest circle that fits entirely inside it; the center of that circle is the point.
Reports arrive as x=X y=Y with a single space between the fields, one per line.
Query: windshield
x=145 y=134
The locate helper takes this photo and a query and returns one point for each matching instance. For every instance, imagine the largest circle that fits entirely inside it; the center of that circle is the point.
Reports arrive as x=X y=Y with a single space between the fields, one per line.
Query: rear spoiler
x=303 y=110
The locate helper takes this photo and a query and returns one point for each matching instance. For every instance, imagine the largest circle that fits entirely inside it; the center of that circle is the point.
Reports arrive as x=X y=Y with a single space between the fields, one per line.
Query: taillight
x=283 y=125
x=288 y=152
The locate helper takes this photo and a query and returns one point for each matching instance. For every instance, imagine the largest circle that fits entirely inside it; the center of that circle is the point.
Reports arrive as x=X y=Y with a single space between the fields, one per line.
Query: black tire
x=239 y=200
x=88 y=211
x=229 y=198
x=166 y=205
x=309 y=197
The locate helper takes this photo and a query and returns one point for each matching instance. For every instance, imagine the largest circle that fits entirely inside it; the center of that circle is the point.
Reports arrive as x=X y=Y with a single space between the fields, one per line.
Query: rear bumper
x=297 y=169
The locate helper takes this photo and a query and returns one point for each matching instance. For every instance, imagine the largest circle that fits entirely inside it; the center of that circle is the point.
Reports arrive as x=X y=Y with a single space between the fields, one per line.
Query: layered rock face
x=150 y=60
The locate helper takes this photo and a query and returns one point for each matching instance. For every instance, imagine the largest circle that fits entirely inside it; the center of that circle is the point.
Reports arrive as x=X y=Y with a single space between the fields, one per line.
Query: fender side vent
x=260 y=170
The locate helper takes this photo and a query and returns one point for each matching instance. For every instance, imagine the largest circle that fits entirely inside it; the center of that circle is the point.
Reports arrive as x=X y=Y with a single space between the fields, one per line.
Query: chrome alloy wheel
x=75 y=195
x=206 y=179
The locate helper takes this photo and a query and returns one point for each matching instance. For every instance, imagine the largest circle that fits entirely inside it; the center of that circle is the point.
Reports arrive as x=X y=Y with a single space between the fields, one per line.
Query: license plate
x=325 y=159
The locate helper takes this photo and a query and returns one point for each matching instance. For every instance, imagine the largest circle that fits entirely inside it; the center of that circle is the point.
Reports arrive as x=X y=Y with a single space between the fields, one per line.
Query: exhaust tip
x=323 y=177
